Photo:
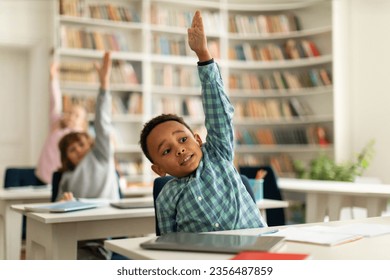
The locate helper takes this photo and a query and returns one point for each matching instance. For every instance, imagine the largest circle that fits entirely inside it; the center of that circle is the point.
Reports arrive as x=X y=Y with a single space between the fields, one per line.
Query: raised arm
x=104 y=71
x=197 y=38
x=103 y=107
x=55 y=96
x=216 y=105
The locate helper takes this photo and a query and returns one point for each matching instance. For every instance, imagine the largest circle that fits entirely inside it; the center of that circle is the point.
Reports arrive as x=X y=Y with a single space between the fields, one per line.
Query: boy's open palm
x=196 y=36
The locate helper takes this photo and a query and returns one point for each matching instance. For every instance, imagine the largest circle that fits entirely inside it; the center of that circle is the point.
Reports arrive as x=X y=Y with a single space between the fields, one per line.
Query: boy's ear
x=159 y=170
x=198 y=139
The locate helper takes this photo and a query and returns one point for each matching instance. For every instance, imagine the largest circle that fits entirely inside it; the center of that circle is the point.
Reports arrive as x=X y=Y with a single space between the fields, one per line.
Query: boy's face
x=174 y=149
x=78 y=149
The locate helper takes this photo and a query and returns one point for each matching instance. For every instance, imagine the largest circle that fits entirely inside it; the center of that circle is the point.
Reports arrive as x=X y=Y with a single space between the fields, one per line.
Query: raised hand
x=104 y=70
x=54 y=71
x=197 y=38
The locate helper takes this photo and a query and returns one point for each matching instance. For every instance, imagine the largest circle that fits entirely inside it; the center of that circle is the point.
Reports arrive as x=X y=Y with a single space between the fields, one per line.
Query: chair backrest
x=56 y=182
x=17 y=176
x=275 y=217
x=159 y=183
x=248 y=187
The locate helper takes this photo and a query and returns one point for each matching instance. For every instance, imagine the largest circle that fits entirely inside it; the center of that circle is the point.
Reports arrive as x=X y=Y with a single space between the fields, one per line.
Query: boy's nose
x=180 y=151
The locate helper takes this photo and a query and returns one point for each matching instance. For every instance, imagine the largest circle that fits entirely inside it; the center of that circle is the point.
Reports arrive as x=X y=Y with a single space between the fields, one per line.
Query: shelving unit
x=273 y=133
x=287 y=98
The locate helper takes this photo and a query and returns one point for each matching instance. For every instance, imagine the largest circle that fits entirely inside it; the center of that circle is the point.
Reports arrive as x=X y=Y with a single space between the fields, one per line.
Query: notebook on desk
x=212 y=243
x=61 y=207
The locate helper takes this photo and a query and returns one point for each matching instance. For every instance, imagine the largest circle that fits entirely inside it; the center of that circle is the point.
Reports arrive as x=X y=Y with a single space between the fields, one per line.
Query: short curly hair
x=150 y=125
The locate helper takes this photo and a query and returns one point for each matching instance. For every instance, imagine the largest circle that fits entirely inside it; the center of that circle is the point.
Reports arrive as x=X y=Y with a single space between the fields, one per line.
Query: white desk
x=328 y=197
x=363 y=249
x=11 y=222
x=55 y=236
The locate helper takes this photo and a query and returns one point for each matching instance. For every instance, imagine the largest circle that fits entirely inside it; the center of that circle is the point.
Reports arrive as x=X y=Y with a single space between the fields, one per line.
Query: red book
x=257 y=255
x=314 y=49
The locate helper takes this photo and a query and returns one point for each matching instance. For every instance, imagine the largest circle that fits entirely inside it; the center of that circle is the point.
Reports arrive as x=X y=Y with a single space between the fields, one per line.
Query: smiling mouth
x=186 y=159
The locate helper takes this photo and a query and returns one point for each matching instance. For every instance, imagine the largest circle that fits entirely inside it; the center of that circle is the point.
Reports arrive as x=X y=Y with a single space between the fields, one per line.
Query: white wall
x=365 y=39
x=26 y=26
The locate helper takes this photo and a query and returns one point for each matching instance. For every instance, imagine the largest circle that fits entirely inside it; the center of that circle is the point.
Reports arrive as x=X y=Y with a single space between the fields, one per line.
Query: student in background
x=207 y=193
x=88 y=165
x=60 y=124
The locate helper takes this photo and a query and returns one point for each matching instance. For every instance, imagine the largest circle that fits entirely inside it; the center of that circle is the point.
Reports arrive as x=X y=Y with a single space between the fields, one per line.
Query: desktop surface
x=363 y=249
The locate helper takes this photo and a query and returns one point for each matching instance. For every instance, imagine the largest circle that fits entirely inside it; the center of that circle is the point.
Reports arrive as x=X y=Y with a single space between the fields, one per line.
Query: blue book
x=61 y=207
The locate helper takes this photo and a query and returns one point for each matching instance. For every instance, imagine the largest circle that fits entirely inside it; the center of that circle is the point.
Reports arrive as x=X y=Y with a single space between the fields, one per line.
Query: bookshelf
x=275 y=58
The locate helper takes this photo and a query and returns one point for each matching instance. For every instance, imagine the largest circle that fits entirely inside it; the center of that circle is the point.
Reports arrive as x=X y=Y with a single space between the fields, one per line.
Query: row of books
x=281 y=163
x=68 y=101
x=126 y=104
x=170 y=46
x=82 y=71
x=79 y=8
x=167 y=45
x=72 y=7
x=175 y=76
x=272 y=108
x=281 y=80
x=282 y=136
x=80 y=38
x=261 y=109
x=128 y=168
x=290 y=49
x=171 y=16
x=190 y=106
x=263 y=24
x=115 y=13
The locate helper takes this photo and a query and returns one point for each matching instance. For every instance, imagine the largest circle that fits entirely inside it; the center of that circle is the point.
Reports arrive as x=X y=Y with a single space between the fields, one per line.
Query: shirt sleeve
x=218 y=111
x=103 y=124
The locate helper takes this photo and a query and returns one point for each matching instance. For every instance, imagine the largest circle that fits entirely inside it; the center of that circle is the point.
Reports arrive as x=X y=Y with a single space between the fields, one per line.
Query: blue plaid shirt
x=213 y=198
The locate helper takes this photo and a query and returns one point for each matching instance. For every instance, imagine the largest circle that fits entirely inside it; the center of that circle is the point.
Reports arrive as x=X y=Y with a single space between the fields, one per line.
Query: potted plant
x=325 y=168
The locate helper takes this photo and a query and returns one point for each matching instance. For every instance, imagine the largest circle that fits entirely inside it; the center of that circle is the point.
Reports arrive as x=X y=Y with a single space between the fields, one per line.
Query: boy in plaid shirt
x=207 y=193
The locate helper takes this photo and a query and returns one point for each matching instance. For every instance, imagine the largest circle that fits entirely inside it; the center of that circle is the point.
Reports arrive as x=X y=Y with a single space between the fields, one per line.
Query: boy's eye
x=183 y=139
x=165 y=152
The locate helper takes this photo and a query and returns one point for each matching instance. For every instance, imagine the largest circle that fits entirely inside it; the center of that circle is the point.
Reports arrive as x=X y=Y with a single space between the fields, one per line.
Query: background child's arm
x=103 y=108
x=104 y=71
x=55 y=97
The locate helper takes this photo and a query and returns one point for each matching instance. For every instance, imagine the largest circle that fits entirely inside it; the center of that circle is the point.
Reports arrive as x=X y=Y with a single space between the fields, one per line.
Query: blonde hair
x=71 y=110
